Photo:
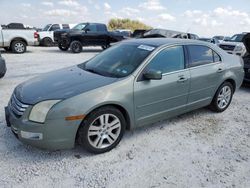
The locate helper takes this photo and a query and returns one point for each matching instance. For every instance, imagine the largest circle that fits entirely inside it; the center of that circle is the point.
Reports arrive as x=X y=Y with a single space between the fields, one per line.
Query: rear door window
x=202 y=55
x=168 y=60
x=91 y=28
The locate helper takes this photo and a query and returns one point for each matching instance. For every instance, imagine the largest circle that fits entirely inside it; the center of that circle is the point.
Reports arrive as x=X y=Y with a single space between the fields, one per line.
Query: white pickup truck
x=17 y=39
x=46 y=36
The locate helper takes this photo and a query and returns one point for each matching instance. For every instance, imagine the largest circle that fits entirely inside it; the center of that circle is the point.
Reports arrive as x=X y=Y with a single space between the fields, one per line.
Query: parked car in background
x=246 y=58
x=86 y=34
x=46 y=36
x=163 y=33
x=138 y=33
x=127 y=33
x=132 y=84
x=15 y=37
x=234 y=45
x=3 y=68
x=211 y=40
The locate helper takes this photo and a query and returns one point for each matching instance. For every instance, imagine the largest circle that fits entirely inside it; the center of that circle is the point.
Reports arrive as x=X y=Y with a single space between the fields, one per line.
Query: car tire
x=18 y=46
x=62 y=47
x=102 y=130
x=222 y=98
x=2 y=75
x=104 y=47
x=76 y=46
x=47 y=42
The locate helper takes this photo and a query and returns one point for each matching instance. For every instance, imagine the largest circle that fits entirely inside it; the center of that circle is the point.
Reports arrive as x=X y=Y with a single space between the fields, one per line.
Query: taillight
x=36 y=35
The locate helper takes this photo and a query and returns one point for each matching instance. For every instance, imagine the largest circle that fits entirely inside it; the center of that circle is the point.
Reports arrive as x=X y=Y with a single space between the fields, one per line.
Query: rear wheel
x=102 y=130
x=62 y=47
x=18 y=46
x=47 y=42
x=76 y=46
x=222 y=98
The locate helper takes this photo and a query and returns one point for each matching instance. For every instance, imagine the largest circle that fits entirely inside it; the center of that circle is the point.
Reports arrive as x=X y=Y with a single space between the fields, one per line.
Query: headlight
x=238 y=48
x=40 y=110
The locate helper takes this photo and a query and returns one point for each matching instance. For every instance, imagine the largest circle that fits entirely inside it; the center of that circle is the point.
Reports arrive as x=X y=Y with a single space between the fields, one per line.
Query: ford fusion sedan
x=132 y=84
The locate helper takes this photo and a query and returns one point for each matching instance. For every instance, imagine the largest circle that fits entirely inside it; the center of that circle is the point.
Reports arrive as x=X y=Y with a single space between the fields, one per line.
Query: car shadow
x=69 y=52
x=10 y=52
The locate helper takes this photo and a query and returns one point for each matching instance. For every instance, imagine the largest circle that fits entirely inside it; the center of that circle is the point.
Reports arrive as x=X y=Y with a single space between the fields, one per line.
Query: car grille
x=17 y=107
x=227 y=47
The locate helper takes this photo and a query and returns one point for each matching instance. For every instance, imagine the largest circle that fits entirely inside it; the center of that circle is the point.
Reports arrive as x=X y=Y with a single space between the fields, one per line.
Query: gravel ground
x=197 y=149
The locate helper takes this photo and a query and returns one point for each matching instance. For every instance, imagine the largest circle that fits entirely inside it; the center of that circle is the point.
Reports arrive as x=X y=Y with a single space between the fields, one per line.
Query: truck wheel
x=62 y=47
x=18 y=46
x=105 y=46
x=2 y=75
x=76 y=46
x=47 y=42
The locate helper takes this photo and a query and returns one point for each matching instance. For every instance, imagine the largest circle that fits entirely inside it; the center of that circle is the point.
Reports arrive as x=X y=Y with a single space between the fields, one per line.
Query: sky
x=202 y=17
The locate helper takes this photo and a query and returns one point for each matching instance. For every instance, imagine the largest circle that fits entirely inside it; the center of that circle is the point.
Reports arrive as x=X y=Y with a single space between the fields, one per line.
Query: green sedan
x=132 y=84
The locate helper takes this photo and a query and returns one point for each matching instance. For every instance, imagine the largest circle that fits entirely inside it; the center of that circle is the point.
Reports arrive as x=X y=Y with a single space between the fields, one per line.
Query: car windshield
x=79 y=26
x=236 y=38
x=118 y=61
x=46 y=28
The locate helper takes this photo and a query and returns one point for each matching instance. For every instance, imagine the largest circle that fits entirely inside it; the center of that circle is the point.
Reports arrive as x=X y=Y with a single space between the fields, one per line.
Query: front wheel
x=76 y=46
x=102 y=130
x=222 y=98
x=18 y=46
x=47 y=42
x=62 y=47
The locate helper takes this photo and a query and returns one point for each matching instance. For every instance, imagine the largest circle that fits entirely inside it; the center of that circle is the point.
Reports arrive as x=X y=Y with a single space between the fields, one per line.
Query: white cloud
x=128 y=11
x=167 y=17
x=152 y=5
x=192 y=13
x=26 y=5
x=47 y=3
x=107 y=6
x=69 y=3
x=60 y=12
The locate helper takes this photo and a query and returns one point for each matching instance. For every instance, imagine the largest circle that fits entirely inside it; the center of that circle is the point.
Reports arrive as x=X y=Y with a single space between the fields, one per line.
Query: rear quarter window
x=202 y=55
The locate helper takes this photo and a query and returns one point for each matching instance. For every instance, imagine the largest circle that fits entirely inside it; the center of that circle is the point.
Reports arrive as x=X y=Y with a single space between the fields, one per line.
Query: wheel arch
x=18 y=39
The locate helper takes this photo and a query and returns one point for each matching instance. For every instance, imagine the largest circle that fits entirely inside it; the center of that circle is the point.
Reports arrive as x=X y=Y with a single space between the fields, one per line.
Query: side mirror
x=87 y=30
x=152 y=75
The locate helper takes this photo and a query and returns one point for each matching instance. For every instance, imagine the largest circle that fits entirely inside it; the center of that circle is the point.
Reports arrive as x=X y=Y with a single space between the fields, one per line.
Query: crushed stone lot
x=197 y=149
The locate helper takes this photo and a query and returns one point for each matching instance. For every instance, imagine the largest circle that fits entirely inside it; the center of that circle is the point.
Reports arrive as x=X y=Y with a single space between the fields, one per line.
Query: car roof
x=157 y=42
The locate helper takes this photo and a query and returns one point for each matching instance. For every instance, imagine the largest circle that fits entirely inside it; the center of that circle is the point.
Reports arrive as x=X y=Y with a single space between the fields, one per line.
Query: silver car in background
x=132 y=84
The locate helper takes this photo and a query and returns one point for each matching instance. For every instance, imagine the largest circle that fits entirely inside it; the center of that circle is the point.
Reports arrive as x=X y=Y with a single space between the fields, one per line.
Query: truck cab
x=46 y=36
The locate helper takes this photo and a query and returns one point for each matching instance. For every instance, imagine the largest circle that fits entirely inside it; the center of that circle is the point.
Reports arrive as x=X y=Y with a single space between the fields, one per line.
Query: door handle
x=182 y=79
x=220 y=70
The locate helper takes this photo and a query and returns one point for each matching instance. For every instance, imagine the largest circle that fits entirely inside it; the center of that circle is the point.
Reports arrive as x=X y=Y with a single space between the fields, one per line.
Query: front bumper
x=52 y=135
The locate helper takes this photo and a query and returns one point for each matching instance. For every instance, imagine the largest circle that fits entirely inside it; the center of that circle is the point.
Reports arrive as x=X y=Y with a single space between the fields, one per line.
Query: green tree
x=126 y=24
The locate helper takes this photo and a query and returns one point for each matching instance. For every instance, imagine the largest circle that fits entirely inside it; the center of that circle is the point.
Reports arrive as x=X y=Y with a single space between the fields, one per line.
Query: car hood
x=232 y=43
x=246 y=41
x=60 y=84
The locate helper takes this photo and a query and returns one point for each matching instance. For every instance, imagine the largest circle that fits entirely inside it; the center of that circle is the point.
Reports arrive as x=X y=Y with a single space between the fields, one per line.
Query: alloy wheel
x=104 y=131
x=224 y=97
